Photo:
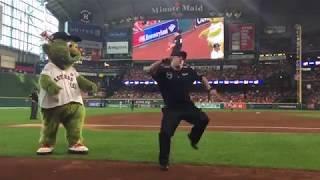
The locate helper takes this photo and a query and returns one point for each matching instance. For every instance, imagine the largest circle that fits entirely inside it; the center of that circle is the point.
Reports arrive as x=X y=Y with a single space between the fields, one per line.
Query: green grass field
x=278 y=150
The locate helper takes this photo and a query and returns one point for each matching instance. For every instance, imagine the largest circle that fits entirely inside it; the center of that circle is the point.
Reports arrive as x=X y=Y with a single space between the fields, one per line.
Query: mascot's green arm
x=86 y=85
x=49 y=85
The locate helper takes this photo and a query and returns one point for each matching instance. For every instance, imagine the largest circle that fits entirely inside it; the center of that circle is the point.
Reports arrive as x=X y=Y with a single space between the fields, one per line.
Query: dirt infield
x=27 y=168
x=39 y=169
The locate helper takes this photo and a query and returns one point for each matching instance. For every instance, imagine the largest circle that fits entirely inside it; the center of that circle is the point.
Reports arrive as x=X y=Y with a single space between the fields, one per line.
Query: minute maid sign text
x=178 y=8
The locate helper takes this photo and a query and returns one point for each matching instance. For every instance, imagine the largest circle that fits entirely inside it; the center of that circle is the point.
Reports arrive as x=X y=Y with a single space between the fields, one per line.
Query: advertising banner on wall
x=90 y=50
x=235 y=105
x=209 y=105
x=154 y=32
x=24 y=68
x=85 y=31
x=117 y=35
x=117 y=47
x=7 y=62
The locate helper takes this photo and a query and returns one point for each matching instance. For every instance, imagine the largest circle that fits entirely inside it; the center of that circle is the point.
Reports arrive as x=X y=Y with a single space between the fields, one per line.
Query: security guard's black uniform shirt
x=175 y=85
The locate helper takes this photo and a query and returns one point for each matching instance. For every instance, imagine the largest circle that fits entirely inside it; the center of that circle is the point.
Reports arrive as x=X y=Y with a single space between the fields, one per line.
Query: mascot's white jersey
x=67 y=80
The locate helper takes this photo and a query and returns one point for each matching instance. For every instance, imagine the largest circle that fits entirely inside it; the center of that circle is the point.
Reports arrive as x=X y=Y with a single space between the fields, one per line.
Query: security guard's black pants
x=34 y=110
x=170 y=121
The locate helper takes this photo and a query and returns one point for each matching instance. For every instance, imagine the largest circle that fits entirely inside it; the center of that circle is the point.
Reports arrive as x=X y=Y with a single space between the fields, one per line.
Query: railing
x=158 y=103
x=15 y=102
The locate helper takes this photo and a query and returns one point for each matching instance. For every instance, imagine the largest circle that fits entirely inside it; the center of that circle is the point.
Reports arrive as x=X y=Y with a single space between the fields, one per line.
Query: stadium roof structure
x=273 y=12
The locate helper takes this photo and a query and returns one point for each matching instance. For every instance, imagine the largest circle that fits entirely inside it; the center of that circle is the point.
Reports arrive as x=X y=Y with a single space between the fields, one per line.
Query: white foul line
x=218 y=127
x=182 y=126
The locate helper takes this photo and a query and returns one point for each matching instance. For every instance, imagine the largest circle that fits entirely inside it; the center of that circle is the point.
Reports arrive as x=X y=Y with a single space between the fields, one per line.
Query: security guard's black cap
x=65 y=36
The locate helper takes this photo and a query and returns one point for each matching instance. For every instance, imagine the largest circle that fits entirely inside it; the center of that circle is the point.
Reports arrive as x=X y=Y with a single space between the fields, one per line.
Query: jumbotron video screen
x=201 y=38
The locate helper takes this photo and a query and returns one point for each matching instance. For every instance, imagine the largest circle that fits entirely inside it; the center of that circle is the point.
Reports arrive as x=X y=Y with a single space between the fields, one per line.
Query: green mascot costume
x=60 y=94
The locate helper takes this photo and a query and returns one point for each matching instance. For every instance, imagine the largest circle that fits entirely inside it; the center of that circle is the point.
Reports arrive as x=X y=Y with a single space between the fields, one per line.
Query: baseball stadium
x=159 y=89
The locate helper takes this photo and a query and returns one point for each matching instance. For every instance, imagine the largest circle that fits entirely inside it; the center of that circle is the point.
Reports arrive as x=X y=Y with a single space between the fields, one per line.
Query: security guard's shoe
x=193 y=144
x=164 y=167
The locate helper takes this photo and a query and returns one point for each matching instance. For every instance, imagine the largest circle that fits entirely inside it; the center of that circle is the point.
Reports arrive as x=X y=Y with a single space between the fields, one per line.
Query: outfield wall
x=158 y=103
x=17 y=84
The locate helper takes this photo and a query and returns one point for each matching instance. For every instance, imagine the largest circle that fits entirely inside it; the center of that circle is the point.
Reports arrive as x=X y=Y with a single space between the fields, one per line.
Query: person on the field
x=132 y=102
x=34 y=104
x=175 y=82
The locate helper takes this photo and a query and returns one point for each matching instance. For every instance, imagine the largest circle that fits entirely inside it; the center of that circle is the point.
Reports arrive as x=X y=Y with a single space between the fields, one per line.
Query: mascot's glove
x=53 y=89
x=94 y=88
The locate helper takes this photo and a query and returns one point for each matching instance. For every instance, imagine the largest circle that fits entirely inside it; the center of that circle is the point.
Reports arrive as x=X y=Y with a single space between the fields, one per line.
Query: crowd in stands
x=311 y=86
x=311 y=75
x=242 y=72
x=250 y=96
x=215 y=72
x=132 y=94
x=136 y=73
x=311 y=83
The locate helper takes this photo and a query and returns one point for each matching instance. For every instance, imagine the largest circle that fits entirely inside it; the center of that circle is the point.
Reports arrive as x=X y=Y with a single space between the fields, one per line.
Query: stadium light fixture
x=216 y=82
x=237 y=14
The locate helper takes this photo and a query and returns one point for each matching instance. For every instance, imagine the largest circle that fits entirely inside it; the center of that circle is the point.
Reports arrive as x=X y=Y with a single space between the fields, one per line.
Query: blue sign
x=160 y=31
x=117 y=35
x=95 y=103
x=85 y=31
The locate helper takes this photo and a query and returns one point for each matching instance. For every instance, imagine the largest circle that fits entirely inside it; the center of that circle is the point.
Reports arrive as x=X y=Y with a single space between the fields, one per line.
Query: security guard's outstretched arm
x=153 y=68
